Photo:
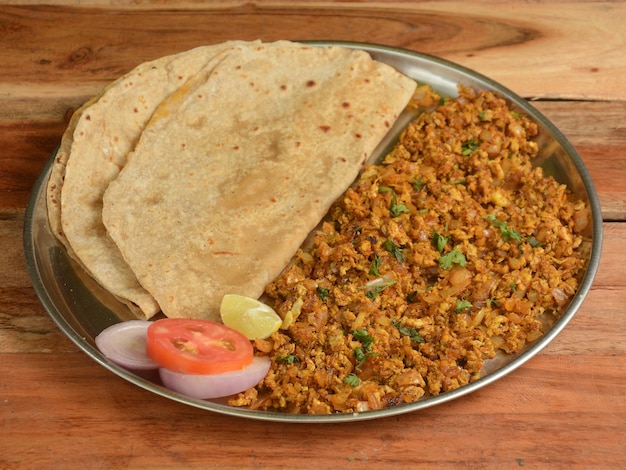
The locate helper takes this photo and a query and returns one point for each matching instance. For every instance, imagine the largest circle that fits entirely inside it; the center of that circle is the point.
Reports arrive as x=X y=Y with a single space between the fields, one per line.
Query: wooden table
x=566 y=408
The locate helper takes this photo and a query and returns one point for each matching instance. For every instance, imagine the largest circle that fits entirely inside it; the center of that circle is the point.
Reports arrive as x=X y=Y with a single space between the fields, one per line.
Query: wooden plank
x=535 y=49
x=565 y=408
x=598 y=132
x=79 y=422
x=50 y=76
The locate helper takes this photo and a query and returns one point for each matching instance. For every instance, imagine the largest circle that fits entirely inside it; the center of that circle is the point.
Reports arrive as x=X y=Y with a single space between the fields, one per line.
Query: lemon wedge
x=249 y=316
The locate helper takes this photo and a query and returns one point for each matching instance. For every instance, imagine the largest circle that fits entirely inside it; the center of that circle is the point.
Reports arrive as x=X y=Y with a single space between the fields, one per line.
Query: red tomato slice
x=193 y=346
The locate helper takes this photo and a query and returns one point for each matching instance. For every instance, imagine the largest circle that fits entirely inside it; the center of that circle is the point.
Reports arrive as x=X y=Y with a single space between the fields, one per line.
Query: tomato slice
x=194 y=346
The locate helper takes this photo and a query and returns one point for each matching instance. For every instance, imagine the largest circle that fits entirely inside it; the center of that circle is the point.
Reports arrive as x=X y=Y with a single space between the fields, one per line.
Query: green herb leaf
x=396 y=209
x=290 y=359
x=532 y=241
x=323 y=293
x=462 y=305
x=352 y=380
x=507 y=233
x=363 y=337
x=394 y=249
x=419 y=184
x=453 y=257
x=408 y=331
x=469 y=146
x=372 y=290
x=375 y=265
x=361 y=356
x=439 y=241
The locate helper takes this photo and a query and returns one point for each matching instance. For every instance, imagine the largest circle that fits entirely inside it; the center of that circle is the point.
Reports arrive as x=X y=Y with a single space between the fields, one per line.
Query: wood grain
x=564 y=408
x=598 y=132
x=48 y=71
x=510 y=417
x=504 y=40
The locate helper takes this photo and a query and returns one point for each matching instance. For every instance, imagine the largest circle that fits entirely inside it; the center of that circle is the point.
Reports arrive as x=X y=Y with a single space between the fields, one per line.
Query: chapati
x=234 y=169
x=93 y=151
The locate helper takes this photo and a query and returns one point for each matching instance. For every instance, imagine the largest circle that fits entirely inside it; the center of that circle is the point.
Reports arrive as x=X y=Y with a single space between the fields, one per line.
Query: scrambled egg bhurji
x=453 y=248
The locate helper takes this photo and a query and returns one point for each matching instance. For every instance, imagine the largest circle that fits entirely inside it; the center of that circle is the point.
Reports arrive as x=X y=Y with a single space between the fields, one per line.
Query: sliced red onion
x=216 y=385
x=125 y=344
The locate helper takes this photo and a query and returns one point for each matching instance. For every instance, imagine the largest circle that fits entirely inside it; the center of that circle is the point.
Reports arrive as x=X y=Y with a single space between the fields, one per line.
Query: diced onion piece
x=125 y=344
x=216 y=385
x=292 y=314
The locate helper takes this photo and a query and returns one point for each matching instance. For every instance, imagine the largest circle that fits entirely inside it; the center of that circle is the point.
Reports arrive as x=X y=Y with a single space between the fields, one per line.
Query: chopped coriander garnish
x=418 y=184
x=439 y=241
x=394 y=249
x=453 y=257
x=462 y=305
x=352 y=380
x=323 y=293
x=408 y=331
x=396 y=209
x=363 y=337
x=507 y=233
x=469 y=146
x=372 y=290
x=532 y=241
x=289 y=359
x=513 y=287
x=361 y=354
x=375 y=265
x=371 y=294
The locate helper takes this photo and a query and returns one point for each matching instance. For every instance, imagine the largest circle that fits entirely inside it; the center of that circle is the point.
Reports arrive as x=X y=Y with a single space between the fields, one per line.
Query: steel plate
x=82 y=309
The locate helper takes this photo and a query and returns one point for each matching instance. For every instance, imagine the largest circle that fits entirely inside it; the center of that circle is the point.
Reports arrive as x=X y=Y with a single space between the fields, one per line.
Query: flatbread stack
x=200 y=174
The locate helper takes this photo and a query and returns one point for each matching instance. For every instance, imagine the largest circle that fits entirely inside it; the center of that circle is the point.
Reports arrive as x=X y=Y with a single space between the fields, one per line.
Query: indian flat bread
x=92 y=153
x=233 y=171
x=57 y=175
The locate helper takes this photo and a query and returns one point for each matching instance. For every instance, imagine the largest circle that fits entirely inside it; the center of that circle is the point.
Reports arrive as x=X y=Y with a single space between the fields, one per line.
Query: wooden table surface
x=565 y=408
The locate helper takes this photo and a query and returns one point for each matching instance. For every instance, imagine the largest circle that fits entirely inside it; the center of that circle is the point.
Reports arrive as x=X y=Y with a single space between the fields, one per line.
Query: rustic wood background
x=565 y=408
